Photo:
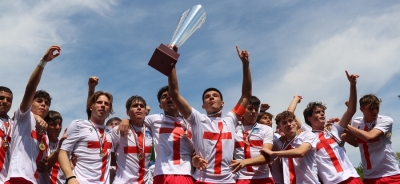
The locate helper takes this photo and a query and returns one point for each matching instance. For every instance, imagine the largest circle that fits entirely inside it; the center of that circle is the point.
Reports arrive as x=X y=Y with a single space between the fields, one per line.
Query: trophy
x=164 y=58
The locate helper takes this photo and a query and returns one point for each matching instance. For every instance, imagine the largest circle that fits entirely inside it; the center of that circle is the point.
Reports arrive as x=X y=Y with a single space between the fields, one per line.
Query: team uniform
x=173 y=148
x=213 y=140
x=56 y=176
x=92 y=145
x=302 y=169
x=377 y=156
x=332 y=162
x=248 y=145
x=5 y=137
x=133 y=154
x=25 y=148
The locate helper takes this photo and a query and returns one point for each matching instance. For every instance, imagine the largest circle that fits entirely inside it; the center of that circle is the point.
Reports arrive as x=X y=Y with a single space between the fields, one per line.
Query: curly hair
x=310 y=108
x=284 y=116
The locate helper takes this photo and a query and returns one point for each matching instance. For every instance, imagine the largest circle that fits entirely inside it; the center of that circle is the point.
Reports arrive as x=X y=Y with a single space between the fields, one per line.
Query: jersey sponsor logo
x=148 y=135
x=256 y=130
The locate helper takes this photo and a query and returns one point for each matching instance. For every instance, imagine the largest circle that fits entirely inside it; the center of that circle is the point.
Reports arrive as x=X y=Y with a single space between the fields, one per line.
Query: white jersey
x=276 y=166
x=302 y=169
x=25 y=147
x=174 y=150
x=6 y=126
x=83 y=141
x=332 y=162
x=56 y=176
x=213 y=139
x=377 y=156
x=259 y=135
x=128 y=150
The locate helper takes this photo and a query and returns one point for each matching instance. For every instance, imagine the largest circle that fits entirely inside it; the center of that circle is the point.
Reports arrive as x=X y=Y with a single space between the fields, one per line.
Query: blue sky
x=296 y=47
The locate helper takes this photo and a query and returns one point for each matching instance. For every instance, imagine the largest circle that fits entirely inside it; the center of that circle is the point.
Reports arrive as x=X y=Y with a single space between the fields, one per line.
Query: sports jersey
x=133 y=157
x=256 y=135
x=332 y=162
x=301 y=169
x=213 y=140
x=5 y=137
x=56 y=176
x=174 y=150
x=83 y=140
x=377 y=156
x=25 y=147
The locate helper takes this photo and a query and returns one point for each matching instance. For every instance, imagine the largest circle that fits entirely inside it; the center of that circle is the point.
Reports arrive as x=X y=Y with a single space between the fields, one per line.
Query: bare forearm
x=64 y=163
x=258 y=160
x=352 y=107
x=246 y=85
x=31 y=88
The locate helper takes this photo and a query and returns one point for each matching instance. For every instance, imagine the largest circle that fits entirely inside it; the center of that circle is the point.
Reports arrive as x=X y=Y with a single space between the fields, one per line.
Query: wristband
x=42 y=63
x=239 y=110
x=66 y=181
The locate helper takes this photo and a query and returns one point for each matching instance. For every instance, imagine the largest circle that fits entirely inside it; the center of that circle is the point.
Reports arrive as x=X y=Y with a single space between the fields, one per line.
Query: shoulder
x=264 y=128
x=382 y=118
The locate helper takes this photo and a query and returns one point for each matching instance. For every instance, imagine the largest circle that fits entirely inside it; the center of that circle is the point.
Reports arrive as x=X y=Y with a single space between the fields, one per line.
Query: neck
x=5 y=116
x=215 y=114
x=368 y=120
x=245 y=123
x=173 y=114
x=290 y=136
x=53 y=140
x=97 y=121
x=136 y=122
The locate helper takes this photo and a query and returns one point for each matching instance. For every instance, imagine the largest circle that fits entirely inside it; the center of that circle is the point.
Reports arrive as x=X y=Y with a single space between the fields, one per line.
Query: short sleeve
x=232 y=118
x=311 y=138
x=384 y=124
x=338 y=129
x=72 y=136
x=115 y=137
x=195 y=117
x=23 y=117
x=268 y=136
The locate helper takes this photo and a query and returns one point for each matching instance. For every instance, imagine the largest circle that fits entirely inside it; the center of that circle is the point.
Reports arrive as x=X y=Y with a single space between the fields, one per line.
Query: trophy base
x=164 y=59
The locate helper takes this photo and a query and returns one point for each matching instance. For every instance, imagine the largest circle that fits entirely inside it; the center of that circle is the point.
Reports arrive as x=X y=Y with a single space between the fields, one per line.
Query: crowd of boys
x=184 y=146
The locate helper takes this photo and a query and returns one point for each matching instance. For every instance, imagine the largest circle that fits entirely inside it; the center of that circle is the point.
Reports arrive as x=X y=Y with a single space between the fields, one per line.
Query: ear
x=362 y=109
x=159 y=105
x=127 y=112
x=222 y=104
x=202 y=106
x=309 y=119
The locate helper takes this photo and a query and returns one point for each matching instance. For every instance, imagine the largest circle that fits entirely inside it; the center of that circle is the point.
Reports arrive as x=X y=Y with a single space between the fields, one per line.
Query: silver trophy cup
x=164 y=58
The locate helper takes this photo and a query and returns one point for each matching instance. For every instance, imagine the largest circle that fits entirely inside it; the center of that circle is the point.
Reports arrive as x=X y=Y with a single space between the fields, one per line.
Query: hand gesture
x=298 y=98
x=333 y=120
x=243 y=55
x=41 y=125
x=199 y=163
x=52 y=53
x=174 y=48
x=264 y=107
x=352 y=78
x=93 y=81
x=123 y=127
x=41 y=165
x=237 y=165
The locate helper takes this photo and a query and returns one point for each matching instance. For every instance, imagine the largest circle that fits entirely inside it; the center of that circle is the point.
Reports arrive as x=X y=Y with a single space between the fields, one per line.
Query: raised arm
x=352 y=103
x=36 y=75
x=92 y=83
x=292 y=107
x=247 y=82
x=173 y=91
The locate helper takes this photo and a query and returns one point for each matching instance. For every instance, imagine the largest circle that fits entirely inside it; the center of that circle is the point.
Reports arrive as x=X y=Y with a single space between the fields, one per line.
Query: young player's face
x=101 y=108
x=288 y=126
x=167 y=104
x=40 y=107
x=266 y=120
x=137 y=111
x=370 y=114
x=212 y=102
x=318 y=118
x=113 y=124
x=5 y=103
x=250 y=115
x=54 y=129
